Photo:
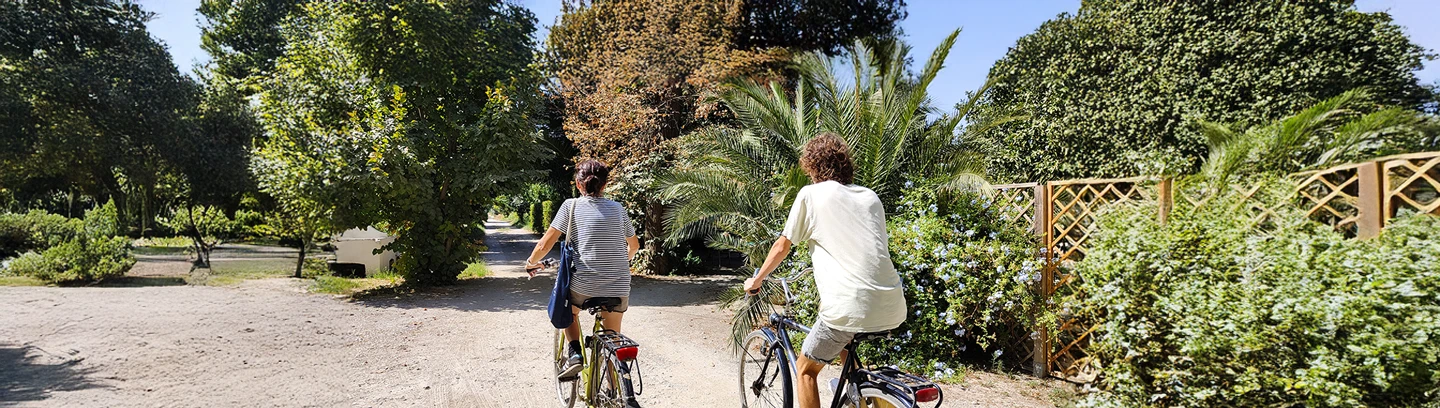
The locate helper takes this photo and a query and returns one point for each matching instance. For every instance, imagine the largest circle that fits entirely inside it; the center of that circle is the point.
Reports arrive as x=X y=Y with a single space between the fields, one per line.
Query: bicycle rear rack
x=614 y=342
x=911 y=383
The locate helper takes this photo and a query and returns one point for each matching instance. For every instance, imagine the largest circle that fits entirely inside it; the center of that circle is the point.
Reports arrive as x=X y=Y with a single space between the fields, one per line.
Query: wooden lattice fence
x=1356 y=199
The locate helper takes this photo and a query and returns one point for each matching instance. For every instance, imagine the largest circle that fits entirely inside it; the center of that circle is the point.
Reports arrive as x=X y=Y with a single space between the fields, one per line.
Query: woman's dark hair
x=826 y=157
x=593 y=175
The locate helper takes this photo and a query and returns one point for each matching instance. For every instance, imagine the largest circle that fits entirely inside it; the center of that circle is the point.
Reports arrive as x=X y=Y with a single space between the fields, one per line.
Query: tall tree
x=635 y=73
x=408 y=115
x=96 y=104
x=243 y=36
x=1112 y=87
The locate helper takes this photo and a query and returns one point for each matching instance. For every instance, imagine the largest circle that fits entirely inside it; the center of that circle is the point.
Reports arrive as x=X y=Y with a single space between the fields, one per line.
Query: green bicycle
x=609 y=362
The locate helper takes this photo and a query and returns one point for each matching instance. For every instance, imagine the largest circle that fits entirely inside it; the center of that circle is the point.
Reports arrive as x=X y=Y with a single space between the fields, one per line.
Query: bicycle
x=609 y=358
x=770 y=356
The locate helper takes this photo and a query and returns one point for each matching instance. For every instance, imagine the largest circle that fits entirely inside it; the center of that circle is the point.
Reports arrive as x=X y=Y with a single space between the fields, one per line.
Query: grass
x=475 y=270
x=20 y=281
x=181 y=242
x=232 y=272
x=335 y=285
x=160 y=250
x=1064 y=397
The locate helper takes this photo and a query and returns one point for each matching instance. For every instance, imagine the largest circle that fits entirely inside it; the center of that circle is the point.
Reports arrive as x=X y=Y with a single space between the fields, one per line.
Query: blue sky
x=989 y=28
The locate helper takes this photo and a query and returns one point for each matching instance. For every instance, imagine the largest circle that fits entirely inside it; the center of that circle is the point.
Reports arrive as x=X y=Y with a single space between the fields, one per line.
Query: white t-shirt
x=845 y=226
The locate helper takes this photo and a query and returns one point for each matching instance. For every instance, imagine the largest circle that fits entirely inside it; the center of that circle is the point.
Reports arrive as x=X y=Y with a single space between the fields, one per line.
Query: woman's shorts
x=578 y=299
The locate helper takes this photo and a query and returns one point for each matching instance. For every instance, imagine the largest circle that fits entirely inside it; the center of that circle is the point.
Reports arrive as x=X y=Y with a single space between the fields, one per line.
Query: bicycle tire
x=568 y=391
x=758 y=352
x=878 y=398
x=616 y=389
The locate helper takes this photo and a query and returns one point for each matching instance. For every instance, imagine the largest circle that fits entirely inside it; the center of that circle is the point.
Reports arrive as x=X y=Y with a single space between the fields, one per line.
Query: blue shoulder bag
x=559 y=308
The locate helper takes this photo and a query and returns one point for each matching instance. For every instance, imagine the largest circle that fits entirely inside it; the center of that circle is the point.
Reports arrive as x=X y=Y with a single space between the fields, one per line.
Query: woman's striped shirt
x=601 y=227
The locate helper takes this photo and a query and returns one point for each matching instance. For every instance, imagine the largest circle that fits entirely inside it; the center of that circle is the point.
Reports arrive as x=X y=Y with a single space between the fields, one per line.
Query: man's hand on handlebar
x=752 y=285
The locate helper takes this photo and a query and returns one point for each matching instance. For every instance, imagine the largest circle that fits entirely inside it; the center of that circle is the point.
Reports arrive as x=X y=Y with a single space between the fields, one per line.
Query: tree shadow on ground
x=520 y=294
x=30 y=374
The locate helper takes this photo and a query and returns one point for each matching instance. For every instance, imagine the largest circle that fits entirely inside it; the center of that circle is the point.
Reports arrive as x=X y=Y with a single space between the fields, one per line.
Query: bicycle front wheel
x=568 y=391
x=765 y=380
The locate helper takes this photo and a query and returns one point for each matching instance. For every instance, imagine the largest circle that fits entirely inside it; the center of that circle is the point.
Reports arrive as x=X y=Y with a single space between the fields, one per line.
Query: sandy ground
x=266 y=342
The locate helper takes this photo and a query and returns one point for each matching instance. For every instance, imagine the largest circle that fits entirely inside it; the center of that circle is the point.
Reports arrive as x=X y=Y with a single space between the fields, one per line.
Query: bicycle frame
x=853 y=375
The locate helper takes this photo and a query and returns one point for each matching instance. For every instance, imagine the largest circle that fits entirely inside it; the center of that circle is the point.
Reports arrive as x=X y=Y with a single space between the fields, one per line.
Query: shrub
x=547 y=209
x=79 y=260
x=537 y=216
x=1209 y=310
x=969 y=280
x=247 y=223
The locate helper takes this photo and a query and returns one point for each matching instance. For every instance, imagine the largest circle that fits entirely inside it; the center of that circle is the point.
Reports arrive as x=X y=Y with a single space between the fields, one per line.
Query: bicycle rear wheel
x=568 y=391
x=875 y=398
x=765 y=380
x=615 y=387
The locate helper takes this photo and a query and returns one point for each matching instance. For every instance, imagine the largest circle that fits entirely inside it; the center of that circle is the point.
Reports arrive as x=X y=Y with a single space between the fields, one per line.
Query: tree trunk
x=654 y=238
x=300 y=263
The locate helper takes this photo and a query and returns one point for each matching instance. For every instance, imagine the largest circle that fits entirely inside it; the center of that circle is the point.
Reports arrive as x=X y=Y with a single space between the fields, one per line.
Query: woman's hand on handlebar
x=531 y=267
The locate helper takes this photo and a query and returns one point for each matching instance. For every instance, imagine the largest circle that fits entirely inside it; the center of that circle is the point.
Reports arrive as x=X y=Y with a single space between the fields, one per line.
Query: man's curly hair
x=826 y=157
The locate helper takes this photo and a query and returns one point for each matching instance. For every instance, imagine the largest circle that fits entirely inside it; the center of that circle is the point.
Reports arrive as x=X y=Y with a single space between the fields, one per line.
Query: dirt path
x=267 y=343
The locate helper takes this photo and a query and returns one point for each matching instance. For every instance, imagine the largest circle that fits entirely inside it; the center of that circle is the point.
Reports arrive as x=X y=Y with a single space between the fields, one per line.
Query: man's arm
x=778 y=252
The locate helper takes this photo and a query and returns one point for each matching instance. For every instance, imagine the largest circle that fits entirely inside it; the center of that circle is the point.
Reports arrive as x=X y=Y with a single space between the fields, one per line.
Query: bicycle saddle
x=862 y=337
x=604 y=303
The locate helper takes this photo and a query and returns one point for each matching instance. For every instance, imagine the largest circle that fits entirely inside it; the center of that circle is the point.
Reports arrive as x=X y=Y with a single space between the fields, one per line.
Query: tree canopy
x=1117 y=84
x=408 y=115
x=93 y=104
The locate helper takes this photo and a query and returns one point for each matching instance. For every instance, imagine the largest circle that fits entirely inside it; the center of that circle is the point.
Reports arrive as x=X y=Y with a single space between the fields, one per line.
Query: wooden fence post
x=1165 y=194
x=1040 y=357
x=1370 y=200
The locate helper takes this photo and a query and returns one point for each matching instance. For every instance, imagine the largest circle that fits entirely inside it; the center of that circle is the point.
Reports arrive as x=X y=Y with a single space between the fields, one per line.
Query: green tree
x=92 y=102
x=633 y=74
x=243 y=36
x=204 y=225
x=1116 y=83
x=411 y=115
x=734 y=186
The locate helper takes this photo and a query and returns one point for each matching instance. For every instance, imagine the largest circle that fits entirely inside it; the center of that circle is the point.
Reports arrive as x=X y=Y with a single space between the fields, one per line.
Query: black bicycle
x=767 y=369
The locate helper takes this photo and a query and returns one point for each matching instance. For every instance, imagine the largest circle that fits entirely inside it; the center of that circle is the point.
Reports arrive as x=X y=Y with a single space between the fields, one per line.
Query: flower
x=998 y=353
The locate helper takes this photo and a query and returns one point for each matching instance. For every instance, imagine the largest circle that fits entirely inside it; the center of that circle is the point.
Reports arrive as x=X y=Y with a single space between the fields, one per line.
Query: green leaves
x=411 y=115
x=1209 y=310
x=1126 y=76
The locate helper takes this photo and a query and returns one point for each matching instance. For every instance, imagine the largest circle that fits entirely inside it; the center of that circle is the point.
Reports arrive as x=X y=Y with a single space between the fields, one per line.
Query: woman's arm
x=542 y=248
x=778 y=252
x=633 y=242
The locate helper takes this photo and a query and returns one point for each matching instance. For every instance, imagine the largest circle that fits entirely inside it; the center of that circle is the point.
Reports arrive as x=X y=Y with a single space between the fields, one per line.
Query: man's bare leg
x=807 y=392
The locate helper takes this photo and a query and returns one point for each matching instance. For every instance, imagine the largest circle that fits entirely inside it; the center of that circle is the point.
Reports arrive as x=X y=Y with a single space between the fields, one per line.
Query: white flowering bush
x=1209 y=310
x=968 y=282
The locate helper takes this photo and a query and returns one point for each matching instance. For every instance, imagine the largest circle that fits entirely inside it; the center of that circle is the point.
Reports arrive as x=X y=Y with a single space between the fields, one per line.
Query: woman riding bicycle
x=602 y=234
x=844 y=224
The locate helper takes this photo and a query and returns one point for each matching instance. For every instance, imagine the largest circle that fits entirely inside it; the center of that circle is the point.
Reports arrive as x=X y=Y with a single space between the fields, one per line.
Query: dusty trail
x=267 y=343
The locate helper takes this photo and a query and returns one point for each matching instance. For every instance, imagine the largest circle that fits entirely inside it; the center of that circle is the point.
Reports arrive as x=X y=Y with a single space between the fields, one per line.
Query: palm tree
x=734 y=186
x=1326 y=134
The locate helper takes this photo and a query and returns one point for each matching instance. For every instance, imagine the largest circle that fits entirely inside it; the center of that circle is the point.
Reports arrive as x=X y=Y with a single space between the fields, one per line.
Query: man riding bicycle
x=844 y=225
